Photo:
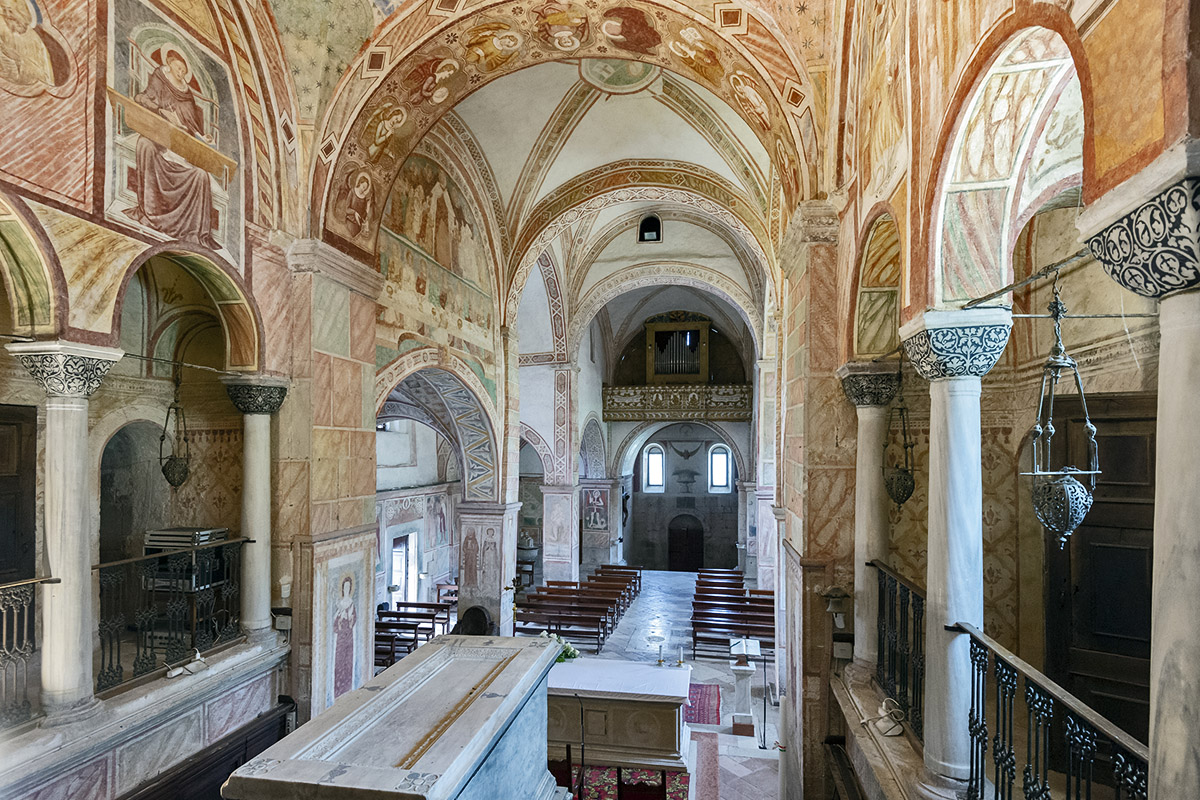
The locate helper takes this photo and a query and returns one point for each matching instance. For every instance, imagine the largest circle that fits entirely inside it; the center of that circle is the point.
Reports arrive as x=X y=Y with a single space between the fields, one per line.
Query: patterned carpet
x=600 y=783
x=704 y=704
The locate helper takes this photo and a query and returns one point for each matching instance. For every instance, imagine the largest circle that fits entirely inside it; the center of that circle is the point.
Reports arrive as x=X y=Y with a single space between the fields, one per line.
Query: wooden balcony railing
x=701 y=401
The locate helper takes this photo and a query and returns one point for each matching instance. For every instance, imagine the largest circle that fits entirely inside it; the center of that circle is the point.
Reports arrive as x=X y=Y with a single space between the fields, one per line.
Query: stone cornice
x=956 y=344
x=869 y=383
x=311 y=255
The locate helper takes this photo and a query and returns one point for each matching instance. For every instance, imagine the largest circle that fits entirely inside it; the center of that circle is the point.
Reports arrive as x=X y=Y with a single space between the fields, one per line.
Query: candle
x=660 y=654
x=680 y=654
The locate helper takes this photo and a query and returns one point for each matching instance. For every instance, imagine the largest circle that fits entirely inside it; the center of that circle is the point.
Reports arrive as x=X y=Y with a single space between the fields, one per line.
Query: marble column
x=560 y=533
x=487 y=559
x=953 y=350
x=1152 y=251
x=70 y=373
x=258 y=398
x=871 y=387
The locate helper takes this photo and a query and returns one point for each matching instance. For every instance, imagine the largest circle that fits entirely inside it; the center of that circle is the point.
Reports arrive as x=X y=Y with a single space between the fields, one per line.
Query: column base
x=58 y=714
x=939 y=787
x=267 y=635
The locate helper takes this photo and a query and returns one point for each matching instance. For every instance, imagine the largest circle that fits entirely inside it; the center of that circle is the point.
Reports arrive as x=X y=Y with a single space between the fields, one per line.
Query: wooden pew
x=441 y=610
x=568 y=624
x=423 y=620
x=620 y=569
x=715 y=631
x=391 y=637
x=609 y=597
x=589 y=604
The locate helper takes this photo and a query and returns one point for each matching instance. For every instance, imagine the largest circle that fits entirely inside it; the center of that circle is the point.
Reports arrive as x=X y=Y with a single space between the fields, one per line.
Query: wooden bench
x=611 y=599
x=447 y=593
x=760 y=613
x=716 y=631
x=424 y=621
x=619 y=569
x=441 y=611
x=392 y=637
x=568 y=624
x=591 y=605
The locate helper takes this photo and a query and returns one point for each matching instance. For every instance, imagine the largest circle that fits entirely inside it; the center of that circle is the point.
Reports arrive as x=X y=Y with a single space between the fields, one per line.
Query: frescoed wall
x=173 y=139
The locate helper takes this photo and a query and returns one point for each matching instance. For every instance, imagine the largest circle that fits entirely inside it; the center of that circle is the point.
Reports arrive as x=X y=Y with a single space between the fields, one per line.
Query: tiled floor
x=660 y=616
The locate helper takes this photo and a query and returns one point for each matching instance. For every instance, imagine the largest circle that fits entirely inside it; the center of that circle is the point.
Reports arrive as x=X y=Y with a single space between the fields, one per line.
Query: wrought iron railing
x=1093 y=751
x=156 y=610
x=900 y=628
x=17 y=646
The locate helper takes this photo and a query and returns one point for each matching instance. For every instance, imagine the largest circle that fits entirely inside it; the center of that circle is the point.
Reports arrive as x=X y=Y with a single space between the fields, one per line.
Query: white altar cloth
x=624 y=680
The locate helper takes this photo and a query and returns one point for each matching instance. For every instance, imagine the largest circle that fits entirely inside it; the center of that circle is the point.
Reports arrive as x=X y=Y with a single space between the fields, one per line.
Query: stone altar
x=462 y=718
x=632 y=713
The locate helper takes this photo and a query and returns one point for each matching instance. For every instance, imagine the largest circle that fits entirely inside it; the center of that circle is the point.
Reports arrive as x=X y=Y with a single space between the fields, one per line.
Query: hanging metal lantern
x=898 y=481
x=175 y=464
x=1060 y=499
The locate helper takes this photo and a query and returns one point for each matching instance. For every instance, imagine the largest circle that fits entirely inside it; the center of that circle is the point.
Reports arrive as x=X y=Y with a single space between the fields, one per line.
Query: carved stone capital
x=956 y=344
x=66 y=369
x=257 y=395
x=869 y=383
x=1155 y=249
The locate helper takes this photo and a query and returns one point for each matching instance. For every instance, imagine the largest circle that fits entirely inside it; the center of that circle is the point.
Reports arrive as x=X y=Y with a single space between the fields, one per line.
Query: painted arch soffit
x=423 y=61
x=656 y=274
x=700 y=205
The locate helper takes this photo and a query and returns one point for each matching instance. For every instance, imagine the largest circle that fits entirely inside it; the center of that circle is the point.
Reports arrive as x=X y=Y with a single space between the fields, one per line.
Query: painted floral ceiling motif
x=388 y=101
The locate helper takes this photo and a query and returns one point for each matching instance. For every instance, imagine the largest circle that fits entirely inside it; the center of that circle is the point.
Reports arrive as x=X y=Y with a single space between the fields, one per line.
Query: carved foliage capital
x=251 y=398
x=870 y=388
x=956 y=352
x=66 y=370
x=1155 y=249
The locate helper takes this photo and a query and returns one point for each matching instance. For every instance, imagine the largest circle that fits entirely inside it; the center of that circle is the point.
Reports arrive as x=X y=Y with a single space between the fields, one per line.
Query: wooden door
x=685 y=544
x=18 y=475
x=1098 y=588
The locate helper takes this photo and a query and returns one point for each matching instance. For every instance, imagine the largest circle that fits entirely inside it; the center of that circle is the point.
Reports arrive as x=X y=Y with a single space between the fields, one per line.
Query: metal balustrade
x=157 y=610
x=17 y=648
x=900 y=668
x=1063 y=737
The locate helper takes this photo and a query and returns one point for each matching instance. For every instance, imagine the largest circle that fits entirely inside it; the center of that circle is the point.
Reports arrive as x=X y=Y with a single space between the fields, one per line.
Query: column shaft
x=256 y=523
x=871 y=528
x=67 y=606
x=955 y=569
x=1174 y=769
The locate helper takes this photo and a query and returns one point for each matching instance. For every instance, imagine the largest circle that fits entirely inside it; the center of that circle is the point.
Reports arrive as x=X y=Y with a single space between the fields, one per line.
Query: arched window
x=654 y=469
x=650 y=229
x=720 y=470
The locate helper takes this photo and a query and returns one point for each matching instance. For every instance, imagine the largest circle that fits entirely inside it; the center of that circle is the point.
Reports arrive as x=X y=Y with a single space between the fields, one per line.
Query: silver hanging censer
x=1060 y=500
x=175 y=467
x=898 y=481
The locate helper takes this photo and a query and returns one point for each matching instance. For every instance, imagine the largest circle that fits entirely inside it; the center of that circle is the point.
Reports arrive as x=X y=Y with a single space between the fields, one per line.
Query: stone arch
x=420 y=34
x=241 y=322
x=30 y=275
x=440 y=390
x=592 y=455
x=1036 y=68
x=654 y=274
x=526 y=259
x=544 y=452
x=636 y=439
x=875 y=298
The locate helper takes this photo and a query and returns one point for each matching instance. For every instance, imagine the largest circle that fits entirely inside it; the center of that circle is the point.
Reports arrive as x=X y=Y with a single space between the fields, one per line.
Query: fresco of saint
x=562 y=26
x=345 y=619
x=492 y=45
x=429 y=81
x=173 y=196
x=630 y=29
x=698 y=55
x=24 y=56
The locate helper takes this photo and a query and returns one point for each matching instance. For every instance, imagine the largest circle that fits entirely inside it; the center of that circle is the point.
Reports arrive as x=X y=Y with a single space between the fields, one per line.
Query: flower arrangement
x=568 y=650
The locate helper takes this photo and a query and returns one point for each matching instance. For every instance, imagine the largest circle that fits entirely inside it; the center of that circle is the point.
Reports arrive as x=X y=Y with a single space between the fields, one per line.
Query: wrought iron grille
x=1095 y=752
x=900 y=669
x=17 y=646
x=155 y=610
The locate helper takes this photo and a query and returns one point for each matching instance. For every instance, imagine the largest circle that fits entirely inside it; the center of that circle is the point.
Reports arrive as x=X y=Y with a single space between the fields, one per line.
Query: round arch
x=493 y=39
x=30 y=275
x=700 y=205
x=544 y=453
x=636 y=439
x=241 y=322
x=875 y=288
x=443 y=389
x=653 y=274
x=593 y=458
x=949 y=193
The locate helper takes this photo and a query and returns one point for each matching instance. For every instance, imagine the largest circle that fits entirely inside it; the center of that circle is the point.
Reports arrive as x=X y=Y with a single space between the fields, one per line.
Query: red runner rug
x=707 y=777
x=704 y=704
